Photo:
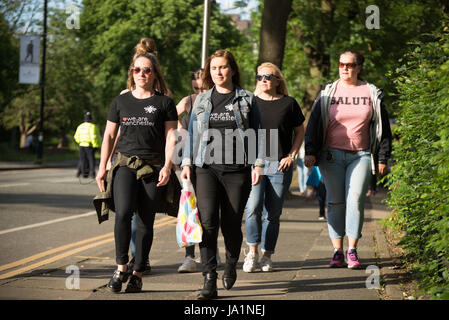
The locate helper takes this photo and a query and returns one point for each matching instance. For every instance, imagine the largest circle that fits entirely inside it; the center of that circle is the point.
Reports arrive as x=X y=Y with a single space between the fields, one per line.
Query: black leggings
x=140 y=196
x=227 y=192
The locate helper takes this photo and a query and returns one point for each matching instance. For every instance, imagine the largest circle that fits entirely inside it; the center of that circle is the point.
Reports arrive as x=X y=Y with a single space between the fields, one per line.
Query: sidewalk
x=301 y=267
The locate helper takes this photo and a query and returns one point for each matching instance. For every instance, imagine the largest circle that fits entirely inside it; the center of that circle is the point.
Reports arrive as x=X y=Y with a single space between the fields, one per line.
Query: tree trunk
x=319 y=60
x=273 y=30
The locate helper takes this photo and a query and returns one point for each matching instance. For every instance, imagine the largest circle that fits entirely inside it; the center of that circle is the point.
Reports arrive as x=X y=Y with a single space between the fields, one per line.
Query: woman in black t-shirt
x=280 y=113
x=147 y=119
x=222 y=182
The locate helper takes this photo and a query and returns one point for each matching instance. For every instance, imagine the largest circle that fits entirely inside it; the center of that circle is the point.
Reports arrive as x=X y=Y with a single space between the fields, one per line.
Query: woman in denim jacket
x=223 y=141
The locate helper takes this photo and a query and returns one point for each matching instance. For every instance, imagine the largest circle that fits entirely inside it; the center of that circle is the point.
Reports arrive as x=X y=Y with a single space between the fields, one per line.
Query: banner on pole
x=29 y=59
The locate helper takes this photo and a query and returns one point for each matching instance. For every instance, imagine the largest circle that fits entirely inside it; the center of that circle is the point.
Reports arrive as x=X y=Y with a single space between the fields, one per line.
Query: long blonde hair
x=282 y=87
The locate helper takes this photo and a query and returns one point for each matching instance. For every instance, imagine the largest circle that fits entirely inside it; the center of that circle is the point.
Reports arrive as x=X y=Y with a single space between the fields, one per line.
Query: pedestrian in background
x=222 y=187
x=88 y=137
x=147 y=120
x=281 y=113
x=315 y=187
x=347 y=129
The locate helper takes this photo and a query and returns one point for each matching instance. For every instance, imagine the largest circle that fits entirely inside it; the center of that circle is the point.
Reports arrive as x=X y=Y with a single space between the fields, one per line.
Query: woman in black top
x=219 y=120
x=147 y=119
x=281 y=113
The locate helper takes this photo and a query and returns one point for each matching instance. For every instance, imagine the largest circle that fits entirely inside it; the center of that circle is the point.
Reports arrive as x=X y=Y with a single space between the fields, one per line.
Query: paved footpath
x=301 y=267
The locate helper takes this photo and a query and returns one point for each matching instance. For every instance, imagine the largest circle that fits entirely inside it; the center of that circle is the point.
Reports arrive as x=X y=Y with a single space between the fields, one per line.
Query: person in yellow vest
x=88 y=137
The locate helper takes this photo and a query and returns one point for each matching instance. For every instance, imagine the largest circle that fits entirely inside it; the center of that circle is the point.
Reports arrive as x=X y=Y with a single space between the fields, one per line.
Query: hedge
x=419 y=178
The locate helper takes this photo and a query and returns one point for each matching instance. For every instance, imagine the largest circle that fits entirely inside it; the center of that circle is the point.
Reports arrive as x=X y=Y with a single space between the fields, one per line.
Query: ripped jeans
x=346 y=176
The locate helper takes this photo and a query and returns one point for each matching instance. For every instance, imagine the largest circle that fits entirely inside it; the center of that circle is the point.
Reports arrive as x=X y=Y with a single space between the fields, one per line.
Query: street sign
x=29 y=59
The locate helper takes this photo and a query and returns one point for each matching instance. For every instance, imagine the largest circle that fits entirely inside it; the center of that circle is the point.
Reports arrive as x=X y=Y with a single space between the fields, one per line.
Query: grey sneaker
x=189 y=265
x=266 y=264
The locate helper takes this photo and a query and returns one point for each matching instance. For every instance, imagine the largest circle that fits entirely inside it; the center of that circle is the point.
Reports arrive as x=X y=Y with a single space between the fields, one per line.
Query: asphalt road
x=42 y=210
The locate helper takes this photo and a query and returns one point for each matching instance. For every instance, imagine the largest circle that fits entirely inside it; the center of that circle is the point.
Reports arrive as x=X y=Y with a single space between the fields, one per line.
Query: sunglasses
x=349 y=65
x=268 y=77
x=137 y=70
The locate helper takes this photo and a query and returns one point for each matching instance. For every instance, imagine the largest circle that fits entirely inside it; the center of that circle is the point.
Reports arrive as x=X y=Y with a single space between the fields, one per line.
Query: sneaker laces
x=353 y=255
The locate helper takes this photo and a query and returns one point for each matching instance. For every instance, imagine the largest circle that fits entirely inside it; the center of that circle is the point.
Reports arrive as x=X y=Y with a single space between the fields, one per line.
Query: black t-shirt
x=222 y=118
x=283 y=114
x=142 y=124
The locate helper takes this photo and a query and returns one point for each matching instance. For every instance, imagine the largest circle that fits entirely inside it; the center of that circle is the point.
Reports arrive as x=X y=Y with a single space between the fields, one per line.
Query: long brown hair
x=145 y=45
x=206 y=77
x=159 y=83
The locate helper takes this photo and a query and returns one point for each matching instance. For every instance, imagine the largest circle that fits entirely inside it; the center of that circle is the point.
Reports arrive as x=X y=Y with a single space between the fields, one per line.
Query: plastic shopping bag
x=188 y=226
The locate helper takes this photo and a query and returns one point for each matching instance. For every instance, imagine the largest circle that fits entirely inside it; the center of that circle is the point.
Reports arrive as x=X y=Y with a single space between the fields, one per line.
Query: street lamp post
x=40 y=149
x=205 y=47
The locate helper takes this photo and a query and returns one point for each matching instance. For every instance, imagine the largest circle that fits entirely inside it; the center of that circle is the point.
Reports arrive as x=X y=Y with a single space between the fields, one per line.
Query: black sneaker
x=115 y=284
x=134 y=284
x=147 y=266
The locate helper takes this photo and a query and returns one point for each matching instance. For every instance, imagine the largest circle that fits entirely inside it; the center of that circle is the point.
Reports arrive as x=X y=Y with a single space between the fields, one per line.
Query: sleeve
x=96 y=140
x=297 y=117
x=77 y=135
x=114 y=112
x=386 y=139
x=314 y=131
x=187 y=155
x=171 y=113
x=256 y=124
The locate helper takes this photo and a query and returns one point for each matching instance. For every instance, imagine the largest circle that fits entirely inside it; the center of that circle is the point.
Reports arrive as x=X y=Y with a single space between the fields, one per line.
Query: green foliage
x=420 y=174
x=111 y=29
x=9 y=63
x=343 y=26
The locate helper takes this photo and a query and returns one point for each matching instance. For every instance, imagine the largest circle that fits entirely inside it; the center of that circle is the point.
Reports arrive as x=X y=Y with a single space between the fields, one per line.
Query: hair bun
x=146 y=45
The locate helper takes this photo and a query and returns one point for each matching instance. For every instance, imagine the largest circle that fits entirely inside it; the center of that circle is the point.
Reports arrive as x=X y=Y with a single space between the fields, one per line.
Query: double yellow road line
x=85 y=244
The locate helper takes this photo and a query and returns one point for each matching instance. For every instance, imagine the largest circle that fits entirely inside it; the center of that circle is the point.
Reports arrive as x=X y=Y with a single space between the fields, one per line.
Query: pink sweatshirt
x=350 y=114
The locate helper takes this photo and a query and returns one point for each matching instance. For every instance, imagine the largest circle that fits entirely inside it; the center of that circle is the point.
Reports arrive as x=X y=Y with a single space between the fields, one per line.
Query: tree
x=273 y=31
x=324 y=28
x=112 y=29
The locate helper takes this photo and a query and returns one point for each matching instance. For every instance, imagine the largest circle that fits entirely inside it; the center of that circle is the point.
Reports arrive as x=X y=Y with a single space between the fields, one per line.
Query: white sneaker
x=266 y=264
x=189 y=265
x=250 y=264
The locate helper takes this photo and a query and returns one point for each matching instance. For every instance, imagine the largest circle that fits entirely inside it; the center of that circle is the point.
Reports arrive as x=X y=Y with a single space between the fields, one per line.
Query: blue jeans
x=302 y=174
x=267 y=197
x=346 y=177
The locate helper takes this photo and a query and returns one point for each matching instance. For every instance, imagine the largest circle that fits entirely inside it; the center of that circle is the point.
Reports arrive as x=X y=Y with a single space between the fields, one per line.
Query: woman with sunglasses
x=281 y=113
x=220 y=146
x=347 y=129
x=147 y=119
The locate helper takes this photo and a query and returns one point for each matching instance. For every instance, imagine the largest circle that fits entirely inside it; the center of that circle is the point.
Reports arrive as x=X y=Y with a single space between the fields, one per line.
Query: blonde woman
x=282 y=113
